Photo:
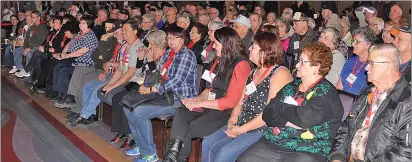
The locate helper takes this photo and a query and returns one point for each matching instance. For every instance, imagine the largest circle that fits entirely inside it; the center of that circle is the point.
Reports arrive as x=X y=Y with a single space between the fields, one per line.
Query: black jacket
x=310 y=36
x=388 y=131
x=104 y=49
x=35 y=36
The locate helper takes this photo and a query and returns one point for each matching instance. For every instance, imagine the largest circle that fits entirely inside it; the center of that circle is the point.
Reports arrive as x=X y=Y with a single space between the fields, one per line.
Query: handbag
x=133 y=99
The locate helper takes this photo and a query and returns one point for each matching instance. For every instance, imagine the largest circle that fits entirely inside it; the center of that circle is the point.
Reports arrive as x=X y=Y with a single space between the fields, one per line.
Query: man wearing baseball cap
x=403 y=43
x=123 y=14
x=302 y=36
x=242 y=27
x=328 y=13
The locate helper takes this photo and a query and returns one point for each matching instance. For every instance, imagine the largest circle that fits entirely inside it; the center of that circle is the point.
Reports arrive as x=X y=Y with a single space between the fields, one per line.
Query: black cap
x=124 y=12
x=330 y=5
x=117 y=24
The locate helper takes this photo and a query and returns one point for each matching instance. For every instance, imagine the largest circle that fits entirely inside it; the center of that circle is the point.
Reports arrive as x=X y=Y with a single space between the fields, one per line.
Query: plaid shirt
x=181 y=75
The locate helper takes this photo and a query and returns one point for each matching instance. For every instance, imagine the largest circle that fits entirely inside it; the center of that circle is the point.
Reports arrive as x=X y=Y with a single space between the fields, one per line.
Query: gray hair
x=207 y=17
x=367 y=34
x=346 y=22
x=158 y=38
x=214 y=25
x=311 y=23
x=150 y=17
x=388 y=51
x=335 y=35
x=379 y=21
x=284 y=21
x=185 y=17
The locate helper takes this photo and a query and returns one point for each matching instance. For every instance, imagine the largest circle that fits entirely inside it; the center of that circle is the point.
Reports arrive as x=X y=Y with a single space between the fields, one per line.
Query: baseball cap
x=330 y=6
x=124 y=12
x=299 y=16
x=405 y=29
x=242 y=20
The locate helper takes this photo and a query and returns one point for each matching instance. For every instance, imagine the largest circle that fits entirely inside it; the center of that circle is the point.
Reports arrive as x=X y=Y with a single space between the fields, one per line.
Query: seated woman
x=55 y=41
x=197 y=35
x=330 y=37
x=304 y=116
x=210 y=111
x=245 y=125
x=83 y=63
x=178 y=68
x=108 y=47
x=109 y=86
x=157 y=45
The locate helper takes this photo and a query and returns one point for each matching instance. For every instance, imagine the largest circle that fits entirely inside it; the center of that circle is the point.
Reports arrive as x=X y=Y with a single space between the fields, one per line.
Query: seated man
x=123 y=73
x=380 y=116
x=34 y=37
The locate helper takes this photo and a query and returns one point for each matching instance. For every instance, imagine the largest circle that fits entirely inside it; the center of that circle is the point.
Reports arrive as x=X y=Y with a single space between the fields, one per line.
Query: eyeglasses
x=302 y=62
x=371 y=63
x=357 y=41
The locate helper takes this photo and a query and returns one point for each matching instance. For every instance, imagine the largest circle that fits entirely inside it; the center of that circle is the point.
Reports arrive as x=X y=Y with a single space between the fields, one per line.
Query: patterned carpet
x=30 y=132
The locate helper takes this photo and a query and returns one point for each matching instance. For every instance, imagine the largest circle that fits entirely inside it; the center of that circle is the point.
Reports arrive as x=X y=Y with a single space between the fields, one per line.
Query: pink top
x=285 y=44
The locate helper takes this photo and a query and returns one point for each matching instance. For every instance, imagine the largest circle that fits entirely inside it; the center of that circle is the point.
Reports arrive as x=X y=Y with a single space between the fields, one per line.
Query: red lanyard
x=356 y=71
x=116 y=51
x=214 y=66
x=168 y=63
x=126 y=52
x=209 y=48
x=300 y=99
x=263 y=74
x=370 y=112
x=190 y=44
x=54 y=36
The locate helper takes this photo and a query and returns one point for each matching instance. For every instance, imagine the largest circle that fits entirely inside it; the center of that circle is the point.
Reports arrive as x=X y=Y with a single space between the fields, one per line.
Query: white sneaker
x=22 y=73
x=13 y=70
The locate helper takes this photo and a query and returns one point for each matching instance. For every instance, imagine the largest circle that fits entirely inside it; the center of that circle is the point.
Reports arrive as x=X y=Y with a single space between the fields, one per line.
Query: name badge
x=320 y=29
x=204 y=53
x=212 y=96
x=315 y=16
x=207 y=76
x=351 y=78
x=291 y=101
x=250 y=88
x=50 y=44
x=163 y=71
x=296 y=45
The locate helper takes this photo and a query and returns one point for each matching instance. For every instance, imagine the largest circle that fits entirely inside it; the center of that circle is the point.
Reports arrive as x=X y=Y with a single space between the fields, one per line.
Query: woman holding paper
x=245 y=125
x=210 y=111
x=304 y=116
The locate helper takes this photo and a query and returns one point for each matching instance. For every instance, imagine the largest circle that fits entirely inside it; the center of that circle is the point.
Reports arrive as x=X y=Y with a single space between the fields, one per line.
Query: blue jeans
x=218 y=147
x=18 y=57
x=141 y=126
x=61 y=77
x=90 y=99
x=8 y=56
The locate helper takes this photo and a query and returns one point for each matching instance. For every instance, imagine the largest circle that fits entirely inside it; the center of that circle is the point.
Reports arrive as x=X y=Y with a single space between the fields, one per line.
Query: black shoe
x=128 y=143
x=84 y=123
x=118 y=138
x=71 y=116
x=67 y=102
x=172 y=153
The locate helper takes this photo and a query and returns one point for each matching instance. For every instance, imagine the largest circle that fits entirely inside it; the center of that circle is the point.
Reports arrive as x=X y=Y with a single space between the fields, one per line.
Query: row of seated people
x=248 y=106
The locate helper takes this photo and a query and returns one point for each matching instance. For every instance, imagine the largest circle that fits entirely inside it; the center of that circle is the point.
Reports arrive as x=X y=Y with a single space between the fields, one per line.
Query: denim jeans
x=61 y=77
x=90 y=99
x=141 y=126
x=218 y=147
x=18 y=57
x=8 y=56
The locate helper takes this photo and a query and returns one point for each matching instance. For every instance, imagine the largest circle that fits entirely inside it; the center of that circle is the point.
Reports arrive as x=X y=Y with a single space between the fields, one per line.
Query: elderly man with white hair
x=378 y=125
x=208 y=52
x=214 y=14
x=287 y=14
x=242 y=26
x=159 y=18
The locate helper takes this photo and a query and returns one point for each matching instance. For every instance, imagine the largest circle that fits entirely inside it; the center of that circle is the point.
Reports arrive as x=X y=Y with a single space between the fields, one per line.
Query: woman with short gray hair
x=208 y=54
x=330 y=37
x=148 y=26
